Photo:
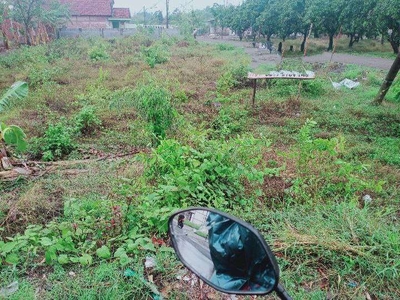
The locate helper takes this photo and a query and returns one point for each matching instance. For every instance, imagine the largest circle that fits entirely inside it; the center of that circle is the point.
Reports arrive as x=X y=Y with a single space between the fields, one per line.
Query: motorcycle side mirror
x=225 y=252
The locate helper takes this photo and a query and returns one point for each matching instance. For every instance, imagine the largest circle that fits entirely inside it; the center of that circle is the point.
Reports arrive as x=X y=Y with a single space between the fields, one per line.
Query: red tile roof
x=121 y=13
x=89 y=7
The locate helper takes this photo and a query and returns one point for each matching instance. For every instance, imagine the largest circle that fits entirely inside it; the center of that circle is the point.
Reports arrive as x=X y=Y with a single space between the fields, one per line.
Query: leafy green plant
x=228 y=122
x=154 y=105
x=56 y=142
x=12 y=134
x=86 y=120
x=225 y=47
x=98 y=53
x=235 y=76
x=18 y=90
x=312 y=87
x=323 y=174
x=396 y=90
x=206 y=175
x=155 y=55
x=43 y=73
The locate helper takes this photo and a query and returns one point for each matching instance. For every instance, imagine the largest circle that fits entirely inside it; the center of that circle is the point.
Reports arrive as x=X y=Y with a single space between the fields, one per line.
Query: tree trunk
x=351 y=40
x=280 y=47
x=394 y=40
x=5 y=40
x=330 y=46
x=27 y=35
x=394 y=69
x=303 y=43
x=395 y=46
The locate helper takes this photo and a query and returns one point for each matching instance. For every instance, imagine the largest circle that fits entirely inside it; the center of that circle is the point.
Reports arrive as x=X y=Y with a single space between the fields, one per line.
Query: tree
x=158 y=17
x=356 y=19
x=3 y=14
x=387 y=13
x=238 y=21
x=326 y=15
x=390 y=77
x=33 y=12
x=267 y=22
x=221 y=15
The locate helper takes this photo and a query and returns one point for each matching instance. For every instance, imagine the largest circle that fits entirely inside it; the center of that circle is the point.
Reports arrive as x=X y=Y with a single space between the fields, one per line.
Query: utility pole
x=167 y=9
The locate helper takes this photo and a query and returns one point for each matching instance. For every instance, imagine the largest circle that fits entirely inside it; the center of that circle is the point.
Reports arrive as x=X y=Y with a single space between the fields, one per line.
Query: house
x=96 y=14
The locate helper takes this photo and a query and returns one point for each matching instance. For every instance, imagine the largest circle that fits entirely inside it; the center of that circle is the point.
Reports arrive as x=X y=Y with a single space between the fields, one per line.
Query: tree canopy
x=282 y=18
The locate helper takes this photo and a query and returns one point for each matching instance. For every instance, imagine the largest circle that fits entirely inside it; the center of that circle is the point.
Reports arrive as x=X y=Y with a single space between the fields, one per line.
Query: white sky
x=153 y=5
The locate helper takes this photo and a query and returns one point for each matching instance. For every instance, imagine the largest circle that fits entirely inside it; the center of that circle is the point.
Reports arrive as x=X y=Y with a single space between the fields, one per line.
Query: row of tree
x=355 y=18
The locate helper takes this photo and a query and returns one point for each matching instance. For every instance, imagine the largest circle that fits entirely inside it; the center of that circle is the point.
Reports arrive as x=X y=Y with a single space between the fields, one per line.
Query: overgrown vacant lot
x=123 y=132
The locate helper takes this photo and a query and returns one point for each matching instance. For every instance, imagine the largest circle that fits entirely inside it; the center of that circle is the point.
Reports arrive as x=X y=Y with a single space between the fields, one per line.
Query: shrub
x=396 y=90
x=56 y=143
x=235 y=76
x=323 y=174
x=210 y=174
x=98 y=53
x=225 y=47
x=313 y=87
x=228 y=122
x=86 y=120
x=154 y=105
x=155 y=55
x=42 y=73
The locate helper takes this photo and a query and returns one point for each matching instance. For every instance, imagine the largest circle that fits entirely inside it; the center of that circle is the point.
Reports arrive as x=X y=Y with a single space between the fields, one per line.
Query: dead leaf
x=165 y=291
x=7 y=165
x=150 y=278
x=23 y=171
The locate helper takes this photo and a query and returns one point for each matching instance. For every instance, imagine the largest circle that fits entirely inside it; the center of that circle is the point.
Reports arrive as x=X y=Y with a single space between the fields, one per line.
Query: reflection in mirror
x=224 y=253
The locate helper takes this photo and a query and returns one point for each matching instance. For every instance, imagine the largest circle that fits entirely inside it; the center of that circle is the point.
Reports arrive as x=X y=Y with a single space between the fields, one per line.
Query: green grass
x=296 y=166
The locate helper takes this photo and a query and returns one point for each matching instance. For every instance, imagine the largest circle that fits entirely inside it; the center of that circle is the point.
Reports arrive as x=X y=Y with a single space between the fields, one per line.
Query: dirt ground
x=262 y=56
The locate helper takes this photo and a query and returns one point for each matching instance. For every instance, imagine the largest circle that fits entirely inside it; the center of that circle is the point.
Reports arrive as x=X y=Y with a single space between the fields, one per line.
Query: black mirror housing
x=225 y=252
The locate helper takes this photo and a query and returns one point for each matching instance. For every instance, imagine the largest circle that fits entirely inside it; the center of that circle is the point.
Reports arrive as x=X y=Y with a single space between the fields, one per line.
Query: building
x=96 y=14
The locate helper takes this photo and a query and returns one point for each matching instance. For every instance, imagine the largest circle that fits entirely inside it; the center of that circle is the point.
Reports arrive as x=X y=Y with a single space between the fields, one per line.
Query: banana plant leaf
x=18 y=90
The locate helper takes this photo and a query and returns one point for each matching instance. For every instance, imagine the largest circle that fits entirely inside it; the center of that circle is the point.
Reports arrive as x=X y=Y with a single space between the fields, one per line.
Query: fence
x=115 y=32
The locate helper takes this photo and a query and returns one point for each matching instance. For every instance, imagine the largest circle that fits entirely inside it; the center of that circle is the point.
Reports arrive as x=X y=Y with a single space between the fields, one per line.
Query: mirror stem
x=281 y=292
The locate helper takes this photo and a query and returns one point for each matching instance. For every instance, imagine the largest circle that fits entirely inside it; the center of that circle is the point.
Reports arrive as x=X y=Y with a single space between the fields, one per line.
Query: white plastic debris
x=350 y=84
x=150 y=262
x=9 y=289
x=367 y=199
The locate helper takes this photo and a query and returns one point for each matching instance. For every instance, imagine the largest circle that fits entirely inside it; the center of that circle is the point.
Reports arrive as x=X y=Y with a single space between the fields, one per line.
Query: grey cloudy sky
x=153 y=5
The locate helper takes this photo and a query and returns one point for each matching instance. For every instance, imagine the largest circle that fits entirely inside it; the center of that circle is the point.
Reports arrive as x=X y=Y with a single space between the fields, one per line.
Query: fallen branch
x=34 y=169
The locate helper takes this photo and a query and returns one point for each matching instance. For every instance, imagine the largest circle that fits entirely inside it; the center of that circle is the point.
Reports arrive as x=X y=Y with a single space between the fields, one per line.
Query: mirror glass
x=224 y=253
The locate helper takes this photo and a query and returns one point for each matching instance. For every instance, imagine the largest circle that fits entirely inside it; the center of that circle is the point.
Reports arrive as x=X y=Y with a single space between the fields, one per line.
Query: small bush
x=155 y=55
x=42 y=73
x=55 y=144
x=229 y=122
x=86 y=120
x=234 y=77
x=208 y=174
x=154 y=105
x=313 y=87
x=396 y=89
x=225 y=47
x=98 y=54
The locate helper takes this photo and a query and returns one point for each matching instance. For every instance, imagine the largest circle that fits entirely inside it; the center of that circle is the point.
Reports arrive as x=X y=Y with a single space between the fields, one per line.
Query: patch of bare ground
x=275 y=113
x=190 y=286
x=37 y=205
x=274 y=187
